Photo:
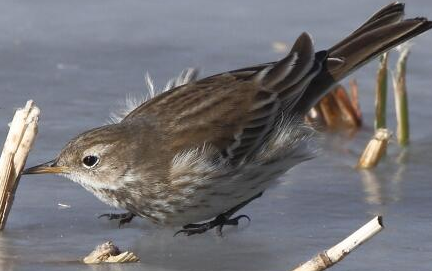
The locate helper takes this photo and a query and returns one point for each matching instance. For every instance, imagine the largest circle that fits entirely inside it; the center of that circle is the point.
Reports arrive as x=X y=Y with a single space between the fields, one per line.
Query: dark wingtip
x=400 y=6
x=395 y=9
x=305 y=37
x=425 y=24
x=304 y=41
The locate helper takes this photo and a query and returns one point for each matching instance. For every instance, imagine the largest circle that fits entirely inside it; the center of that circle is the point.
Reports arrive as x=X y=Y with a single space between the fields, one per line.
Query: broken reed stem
x=355 y=100
x=401 y=97
x=374 y=150
x=348 y=113
x=335 y=254
x=330 y=111
x=109 y=253
x=337 y=110
x=19 y=141
x=381 y=93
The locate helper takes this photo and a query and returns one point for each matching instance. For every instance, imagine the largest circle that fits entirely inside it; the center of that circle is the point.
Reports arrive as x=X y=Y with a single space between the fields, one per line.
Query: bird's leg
x=220 y=221
x=124 y=218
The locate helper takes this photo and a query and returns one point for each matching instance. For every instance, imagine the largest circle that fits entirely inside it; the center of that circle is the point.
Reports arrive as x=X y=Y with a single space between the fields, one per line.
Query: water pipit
x=205 y=149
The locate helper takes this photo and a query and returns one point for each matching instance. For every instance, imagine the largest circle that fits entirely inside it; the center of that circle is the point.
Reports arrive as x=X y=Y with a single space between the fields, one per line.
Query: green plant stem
x=381 y=94
x=401 y=97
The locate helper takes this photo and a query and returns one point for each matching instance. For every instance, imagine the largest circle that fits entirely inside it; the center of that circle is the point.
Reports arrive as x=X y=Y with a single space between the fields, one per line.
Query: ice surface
x=79 y=59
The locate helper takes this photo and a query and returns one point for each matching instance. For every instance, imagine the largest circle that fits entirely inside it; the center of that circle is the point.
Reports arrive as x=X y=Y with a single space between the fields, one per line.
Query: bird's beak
x=48 y=167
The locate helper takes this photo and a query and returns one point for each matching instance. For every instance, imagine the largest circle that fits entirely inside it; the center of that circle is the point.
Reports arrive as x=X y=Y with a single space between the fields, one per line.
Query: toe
x=235 y=221
x=109 y=216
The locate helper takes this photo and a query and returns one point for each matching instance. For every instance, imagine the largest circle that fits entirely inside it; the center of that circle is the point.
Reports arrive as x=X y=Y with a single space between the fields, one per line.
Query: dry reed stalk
x=330 y=111
x=374 y=149
x=337 y=110
x=348 y=113
x=335 y=254
x=19 y=141
x=401 y=97
x=381 y=93
x=355 y=100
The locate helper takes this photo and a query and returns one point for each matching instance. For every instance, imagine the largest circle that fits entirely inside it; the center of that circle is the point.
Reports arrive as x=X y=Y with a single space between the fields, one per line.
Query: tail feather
x=365 y=47
x=389 y=14
x=383 y=31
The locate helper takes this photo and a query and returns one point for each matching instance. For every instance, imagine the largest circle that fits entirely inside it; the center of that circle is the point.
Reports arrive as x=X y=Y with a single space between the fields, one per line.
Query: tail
x=383 y=31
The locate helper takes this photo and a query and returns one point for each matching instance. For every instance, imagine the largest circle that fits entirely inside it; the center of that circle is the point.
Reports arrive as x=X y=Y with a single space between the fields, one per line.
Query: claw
x=111 y=216
x=123 y=218
x=189 y=232
x=220 y=221
x=233 y=222
x=192 y=226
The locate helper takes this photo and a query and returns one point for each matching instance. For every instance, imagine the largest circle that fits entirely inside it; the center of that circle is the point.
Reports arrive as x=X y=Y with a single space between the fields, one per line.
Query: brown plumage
x=207 y=148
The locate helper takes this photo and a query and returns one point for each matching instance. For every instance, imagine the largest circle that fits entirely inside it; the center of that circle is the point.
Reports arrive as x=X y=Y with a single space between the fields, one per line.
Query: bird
x=194 y=155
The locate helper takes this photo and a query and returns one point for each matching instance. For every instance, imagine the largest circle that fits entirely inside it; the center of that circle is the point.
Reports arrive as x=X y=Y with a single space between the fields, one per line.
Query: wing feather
x=234 y=111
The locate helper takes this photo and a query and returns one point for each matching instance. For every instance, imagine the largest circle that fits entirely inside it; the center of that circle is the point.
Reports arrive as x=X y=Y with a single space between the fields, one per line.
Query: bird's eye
x=90 y=161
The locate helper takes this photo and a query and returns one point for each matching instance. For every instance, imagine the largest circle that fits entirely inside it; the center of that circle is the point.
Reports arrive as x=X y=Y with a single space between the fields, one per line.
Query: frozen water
x=78 y=60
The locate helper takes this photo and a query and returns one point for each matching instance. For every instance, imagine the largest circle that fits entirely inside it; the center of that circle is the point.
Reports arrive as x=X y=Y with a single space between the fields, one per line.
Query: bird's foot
x=123 y=218
x=220 y=221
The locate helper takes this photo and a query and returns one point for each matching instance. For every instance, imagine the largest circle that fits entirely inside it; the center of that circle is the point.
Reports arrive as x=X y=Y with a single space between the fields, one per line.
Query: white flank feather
x=291 y=141
x=206 y=184
x=291 y=138
x=186 y=76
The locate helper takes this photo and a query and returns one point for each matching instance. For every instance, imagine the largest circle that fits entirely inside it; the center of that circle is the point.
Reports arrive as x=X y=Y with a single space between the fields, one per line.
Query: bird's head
x=100 y=158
